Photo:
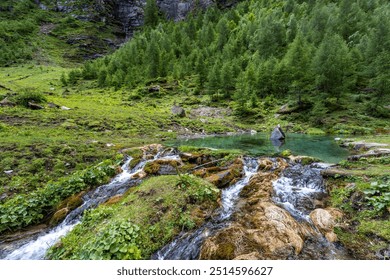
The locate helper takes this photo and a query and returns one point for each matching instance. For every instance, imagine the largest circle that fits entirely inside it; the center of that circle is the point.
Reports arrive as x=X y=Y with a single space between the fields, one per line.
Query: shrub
x=24 y=210
x=29 y=95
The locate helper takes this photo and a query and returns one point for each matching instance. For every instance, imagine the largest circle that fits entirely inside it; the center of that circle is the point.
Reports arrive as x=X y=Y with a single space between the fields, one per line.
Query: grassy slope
x=364 y=196
x=160 y=208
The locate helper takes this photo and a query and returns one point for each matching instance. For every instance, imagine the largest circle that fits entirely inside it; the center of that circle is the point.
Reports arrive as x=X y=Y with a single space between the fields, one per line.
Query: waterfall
x=36 y=249
x=187 y=245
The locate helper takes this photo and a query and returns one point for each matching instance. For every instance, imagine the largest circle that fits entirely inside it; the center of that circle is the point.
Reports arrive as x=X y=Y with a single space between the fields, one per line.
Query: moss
x=161 y=207
x=315 y=131
x=225 y=251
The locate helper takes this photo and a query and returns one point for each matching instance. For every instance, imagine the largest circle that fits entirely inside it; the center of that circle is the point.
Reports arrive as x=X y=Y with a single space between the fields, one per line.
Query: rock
x=250 y=256
x=253 y=132
x=226 y=177
x=260 y=229
x=278 y=133
x=110 y=145
x=140 y=175
x=35 y=106
x=72 y=202
x=6 y=102
x=53 y=105
x=162 y=167
x=59 y=216
x=211 y=112
x=178 y=111
x=65 y=108
x=325 y=220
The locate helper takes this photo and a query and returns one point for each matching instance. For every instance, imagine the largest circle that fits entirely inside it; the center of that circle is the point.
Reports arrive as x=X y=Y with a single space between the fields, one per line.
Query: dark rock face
x=128 y=14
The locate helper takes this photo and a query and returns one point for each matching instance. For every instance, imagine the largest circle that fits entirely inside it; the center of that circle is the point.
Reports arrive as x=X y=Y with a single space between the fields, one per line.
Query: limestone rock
x=162 y=167
x=226 y=177
x=250 y=256
x=325 y=220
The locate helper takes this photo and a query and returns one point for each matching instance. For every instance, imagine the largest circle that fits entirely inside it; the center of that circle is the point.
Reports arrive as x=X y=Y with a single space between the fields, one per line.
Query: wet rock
x=72 y=202
x=250 y=256
x=261 y=229
x=140 y=175
x=325 y=220
x=149 y=151
x=59 y=216
x=225 y=178
x=265 y=164
x=162 y=167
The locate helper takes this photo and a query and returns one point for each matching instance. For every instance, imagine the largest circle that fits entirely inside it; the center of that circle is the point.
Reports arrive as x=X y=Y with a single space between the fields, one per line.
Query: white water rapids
x=36 y=249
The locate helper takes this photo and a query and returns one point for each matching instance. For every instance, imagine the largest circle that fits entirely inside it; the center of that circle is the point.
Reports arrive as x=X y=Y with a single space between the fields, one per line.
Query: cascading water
x=36 y=249
x=298 y=189
x=187 y=245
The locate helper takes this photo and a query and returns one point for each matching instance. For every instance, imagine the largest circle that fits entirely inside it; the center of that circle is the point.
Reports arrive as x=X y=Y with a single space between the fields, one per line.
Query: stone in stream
x=325 y=220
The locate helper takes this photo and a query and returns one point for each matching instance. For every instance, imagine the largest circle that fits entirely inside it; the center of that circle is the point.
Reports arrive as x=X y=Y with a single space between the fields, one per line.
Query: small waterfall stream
x=298 y=191
x=36 y=249
x=187 y=245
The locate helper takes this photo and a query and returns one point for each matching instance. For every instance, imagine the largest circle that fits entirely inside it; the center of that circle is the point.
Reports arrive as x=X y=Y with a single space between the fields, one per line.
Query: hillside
x=81 y=82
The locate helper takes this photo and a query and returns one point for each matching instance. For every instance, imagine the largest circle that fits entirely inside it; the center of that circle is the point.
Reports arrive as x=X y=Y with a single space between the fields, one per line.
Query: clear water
x=321 y=147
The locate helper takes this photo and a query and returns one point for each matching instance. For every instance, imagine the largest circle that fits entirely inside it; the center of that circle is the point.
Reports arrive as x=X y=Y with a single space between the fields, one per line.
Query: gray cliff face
x=128 y=14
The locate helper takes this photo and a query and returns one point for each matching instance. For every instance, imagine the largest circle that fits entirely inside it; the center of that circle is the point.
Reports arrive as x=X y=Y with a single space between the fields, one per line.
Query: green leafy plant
x=27 y=209
x=378 y=195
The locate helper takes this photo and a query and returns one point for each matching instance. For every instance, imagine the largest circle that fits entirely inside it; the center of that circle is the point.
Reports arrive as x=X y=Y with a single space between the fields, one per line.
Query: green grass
x=158 y=210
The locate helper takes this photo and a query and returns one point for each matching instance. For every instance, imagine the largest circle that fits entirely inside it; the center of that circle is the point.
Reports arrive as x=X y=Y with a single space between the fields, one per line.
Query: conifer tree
x=332 y=65
x=151 y=13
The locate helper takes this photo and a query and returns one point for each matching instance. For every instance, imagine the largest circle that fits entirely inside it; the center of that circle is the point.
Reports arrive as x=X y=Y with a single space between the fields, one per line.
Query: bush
x=24 y=210
x=29 y=95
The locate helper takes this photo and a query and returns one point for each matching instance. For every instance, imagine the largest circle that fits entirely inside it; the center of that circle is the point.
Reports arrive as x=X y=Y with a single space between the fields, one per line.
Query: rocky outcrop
x=261 y=229
x=127 y=14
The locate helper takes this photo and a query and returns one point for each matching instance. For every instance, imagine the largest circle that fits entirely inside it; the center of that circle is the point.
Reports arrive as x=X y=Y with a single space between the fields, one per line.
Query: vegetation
x=364 y=196
x=314 y=67
x=320 y=54
x=24 y=210
x=147 y=217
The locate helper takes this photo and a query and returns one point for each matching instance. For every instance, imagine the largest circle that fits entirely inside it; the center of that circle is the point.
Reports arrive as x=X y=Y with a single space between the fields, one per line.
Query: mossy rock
x=71 y=202
x=59 y=216
x=225 y=251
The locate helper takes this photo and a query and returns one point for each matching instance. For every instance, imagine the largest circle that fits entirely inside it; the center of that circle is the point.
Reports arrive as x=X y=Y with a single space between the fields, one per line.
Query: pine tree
x=332 y=65
x=151 y=13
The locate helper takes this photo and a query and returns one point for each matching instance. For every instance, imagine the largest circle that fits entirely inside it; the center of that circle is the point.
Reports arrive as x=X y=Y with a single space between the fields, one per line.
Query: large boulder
x=277 y=133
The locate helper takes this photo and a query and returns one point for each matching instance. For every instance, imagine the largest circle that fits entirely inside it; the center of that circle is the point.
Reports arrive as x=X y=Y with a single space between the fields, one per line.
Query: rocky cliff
x=127 y=14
